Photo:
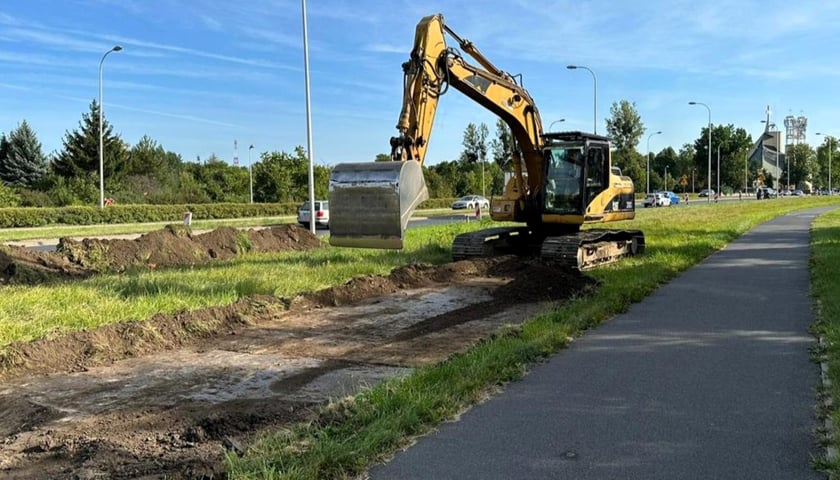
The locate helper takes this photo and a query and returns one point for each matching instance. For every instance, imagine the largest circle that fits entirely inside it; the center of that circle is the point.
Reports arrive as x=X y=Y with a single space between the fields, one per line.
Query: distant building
x=768 y=152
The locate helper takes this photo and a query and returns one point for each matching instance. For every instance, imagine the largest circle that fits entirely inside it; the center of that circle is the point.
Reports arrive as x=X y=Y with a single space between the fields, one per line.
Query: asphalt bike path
x=707 y=378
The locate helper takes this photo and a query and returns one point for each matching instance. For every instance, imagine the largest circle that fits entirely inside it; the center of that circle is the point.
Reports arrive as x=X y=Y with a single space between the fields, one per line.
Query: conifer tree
x=80 y=153
x=22 y=162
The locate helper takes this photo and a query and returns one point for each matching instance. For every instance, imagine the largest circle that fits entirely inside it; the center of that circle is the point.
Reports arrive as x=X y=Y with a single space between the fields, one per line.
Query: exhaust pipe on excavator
x=371 y=203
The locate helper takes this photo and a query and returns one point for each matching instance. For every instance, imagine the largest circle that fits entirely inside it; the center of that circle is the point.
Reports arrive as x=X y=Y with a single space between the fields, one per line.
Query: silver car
x=470 y=202
x=322 y=214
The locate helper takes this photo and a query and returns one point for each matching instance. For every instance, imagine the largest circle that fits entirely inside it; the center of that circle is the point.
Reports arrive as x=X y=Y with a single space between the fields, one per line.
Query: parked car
x=322 y=214
x=706 y=193
x=656 y=200
x=470 y=202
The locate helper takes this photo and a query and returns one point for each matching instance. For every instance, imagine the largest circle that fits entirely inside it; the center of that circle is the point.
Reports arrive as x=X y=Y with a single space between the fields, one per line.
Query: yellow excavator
x=560 y=181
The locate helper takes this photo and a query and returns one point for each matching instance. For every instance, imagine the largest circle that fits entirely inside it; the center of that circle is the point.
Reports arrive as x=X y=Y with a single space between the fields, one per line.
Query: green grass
x=350 y=435
x=825 y=288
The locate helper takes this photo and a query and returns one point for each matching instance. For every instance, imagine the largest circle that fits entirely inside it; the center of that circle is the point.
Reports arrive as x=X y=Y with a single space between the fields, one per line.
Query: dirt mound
x=173 y=246
x=25 y=266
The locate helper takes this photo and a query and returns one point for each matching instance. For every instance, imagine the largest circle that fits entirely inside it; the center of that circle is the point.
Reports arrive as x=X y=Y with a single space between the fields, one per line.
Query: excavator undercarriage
x=580 y=250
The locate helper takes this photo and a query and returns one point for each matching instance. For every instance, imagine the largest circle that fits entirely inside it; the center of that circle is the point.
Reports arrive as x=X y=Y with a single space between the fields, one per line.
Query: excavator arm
x=371 y=202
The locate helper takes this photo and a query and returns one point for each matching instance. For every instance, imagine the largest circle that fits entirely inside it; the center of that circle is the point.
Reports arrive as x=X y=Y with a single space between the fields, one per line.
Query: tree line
x=148 y=173
x=144 y=173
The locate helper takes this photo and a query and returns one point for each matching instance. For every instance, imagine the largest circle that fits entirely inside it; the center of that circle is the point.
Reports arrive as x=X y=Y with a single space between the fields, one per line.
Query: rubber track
x=595 y=247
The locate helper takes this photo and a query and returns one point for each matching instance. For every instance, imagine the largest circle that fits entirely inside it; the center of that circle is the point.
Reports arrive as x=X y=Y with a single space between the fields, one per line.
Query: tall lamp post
x=709 y=180
x=647 y=185
x=595 y=95
x=556 y=121
x=116 y=48
x=251 y=175
x=831 y=139
x=666 y=178
x=308 y=120
x=717 y=174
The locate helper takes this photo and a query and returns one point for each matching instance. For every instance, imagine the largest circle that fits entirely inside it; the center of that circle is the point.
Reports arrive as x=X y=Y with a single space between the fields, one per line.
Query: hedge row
x=38 y=217
x=43 y=216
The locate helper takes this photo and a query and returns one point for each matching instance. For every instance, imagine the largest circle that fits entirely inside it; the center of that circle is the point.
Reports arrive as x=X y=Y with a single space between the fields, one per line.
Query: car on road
x=656 y=200
x=470 y=202
x=322 y=214
x=706 y=193
x=767 y=192
x=674 y=199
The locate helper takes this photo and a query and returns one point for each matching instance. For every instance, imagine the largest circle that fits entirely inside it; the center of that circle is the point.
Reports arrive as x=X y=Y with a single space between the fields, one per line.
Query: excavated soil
x=166 y=398
x=173 y=246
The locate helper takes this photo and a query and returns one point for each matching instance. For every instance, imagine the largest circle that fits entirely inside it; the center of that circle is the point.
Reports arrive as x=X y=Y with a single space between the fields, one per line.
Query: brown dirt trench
x=161 y=403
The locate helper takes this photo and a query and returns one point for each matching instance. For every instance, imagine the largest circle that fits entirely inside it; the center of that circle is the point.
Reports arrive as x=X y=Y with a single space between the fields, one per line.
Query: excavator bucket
x=371 y=203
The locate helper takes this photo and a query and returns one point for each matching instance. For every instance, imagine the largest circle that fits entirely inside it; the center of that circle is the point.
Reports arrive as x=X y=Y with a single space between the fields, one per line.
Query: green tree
x=666 y=160
x=802 y=165
x=502 y=146
x=827 y=154
x=222 y=182
x=284 y=177
x=22 y=163
x=625 y=126
x=382 y=157
x=475 y=144
x=148 y=158
x=452 y=173
x=80 y=151
x=732 y=143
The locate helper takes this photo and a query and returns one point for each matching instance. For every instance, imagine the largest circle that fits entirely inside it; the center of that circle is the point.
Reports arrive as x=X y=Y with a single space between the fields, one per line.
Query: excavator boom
x=371 y=203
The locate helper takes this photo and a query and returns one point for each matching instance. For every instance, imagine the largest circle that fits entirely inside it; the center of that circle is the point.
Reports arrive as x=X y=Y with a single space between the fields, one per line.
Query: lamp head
x=571 y=67
x=117 y=48
x=659 y=132
x=692 y=103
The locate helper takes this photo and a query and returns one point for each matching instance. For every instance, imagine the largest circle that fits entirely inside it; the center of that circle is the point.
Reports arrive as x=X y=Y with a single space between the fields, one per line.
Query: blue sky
x=195 y=75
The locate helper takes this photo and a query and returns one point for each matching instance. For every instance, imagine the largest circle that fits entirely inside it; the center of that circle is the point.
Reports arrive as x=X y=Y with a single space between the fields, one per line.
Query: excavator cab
x=371 y=203
x=563 y=179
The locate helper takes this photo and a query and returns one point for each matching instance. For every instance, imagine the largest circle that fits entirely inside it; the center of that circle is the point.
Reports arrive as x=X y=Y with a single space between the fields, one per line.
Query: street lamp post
x=717 y=192
x=666 y=178
x=595 y=95
x=830 y=146
x=308 y=119
x=709 y=170
x=116 y=48
x=251 y=175
x=556 y=121
x=647 y=185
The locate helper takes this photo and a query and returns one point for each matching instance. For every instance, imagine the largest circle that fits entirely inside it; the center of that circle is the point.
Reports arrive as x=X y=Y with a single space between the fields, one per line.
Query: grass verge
x=825 y=288
x=351 y=434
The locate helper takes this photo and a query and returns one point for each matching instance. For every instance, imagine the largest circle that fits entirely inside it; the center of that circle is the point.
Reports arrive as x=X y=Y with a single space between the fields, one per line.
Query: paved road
x=707 y=378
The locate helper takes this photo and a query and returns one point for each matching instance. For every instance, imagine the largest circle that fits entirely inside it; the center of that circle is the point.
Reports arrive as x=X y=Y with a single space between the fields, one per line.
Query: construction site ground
x=169 y=396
